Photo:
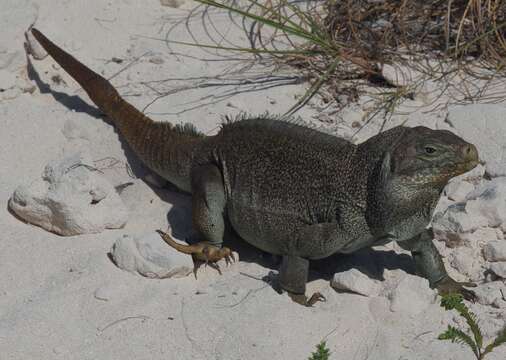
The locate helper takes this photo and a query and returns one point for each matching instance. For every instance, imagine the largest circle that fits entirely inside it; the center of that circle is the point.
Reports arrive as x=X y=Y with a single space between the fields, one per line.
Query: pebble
x=355 y=281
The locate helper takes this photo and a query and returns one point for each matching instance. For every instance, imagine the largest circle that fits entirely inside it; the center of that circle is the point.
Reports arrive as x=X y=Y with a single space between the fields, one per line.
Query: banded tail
x=166 y=149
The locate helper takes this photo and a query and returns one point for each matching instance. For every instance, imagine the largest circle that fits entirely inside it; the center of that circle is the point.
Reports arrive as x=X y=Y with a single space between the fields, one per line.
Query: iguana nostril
x=470 y=152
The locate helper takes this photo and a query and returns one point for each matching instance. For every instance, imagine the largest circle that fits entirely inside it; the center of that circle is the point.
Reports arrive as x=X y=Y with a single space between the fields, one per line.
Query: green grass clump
x=474 y=340
x=321 y=353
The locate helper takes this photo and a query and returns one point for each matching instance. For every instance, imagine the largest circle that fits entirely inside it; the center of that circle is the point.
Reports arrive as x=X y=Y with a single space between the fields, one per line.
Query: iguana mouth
x=459 y=168
x=464 y=167
x=471 y=164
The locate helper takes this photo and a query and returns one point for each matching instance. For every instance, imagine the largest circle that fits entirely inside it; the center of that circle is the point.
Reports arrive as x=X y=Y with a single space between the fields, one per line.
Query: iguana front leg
x=429 y=264
x=208 y=206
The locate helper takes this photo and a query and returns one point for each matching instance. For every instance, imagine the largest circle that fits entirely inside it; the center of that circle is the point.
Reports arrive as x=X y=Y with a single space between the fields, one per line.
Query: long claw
x=315 y=298
x=229 y=259
x=216 y=267
x=469 y=295
x=448 y=285
x=303 y=300
x=468 y=284
x=196 y=266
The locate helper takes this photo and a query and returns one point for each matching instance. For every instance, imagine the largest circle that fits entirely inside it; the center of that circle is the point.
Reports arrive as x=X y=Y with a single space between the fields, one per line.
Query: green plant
x=475 y=340
x=387 y=50
x=321 y=353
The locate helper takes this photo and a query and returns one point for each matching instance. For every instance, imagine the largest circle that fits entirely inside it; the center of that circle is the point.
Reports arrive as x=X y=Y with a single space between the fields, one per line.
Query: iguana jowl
x=291 y=190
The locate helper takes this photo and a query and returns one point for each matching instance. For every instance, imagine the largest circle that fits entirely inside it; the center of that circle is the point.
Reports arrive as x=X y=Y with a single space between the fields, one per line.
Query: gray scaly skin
x=294 y=191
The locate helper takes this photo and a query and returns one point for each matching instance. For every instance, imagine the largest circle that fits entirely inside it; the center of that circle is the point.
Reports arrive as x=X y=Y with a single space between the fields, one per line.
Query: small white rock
x=151 y=257
x=33 y=46
x=458 y=190
x=499 y=268
x=467 y=262
x=172 y=3
x=103 y=293
x=397 y=75
x=157 y=60
x=488 y=293
x=480 y=237
x=455 y=221
x=464 y=222
x=489 y=200
x=412 y=295
x=70 y=199
x=355 y=281
x=495 y=250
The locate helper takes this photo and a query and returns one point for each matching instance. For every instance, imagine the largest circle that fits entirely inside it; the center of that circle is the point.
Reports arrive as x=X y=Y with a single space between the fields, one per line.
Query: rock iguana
x=291 y=190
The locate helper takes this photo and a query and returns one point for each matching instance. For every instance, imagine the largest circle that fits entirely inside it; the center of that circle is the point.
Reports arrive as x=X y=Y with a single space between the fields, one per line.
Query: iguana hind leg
x=293 y=275
x=208 y=207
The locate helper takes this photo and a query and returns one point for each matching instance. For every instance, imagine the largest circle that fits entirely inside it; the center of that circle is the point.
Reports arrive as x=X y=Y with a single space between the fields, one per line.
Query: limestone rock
x=467 y=262
x=495 y=250
x=488 y=293
x=412 y=295
x=458 y=190
x=489 y=200
x=33 y=46
x=499 y=268
x=484 y=126
x=70 y=199
x=452 y=223
x=150 y=256
x=355 y=281
x=172 y=3
x=443 y=204
x=397 y=75
x=480 y=237
x=104 y=293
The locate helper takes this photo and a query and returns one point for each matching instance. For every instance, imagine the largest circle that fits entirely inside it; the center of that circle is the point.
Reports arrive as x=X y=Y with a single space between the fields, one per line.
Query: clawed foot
x=202 y=253
x=303 y=300
x=447 y=285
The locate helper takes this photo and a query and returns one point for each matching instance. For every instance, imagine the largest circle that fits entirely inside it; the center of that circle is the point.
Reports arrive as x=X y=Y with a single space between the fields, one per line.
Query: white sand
x=52 y=288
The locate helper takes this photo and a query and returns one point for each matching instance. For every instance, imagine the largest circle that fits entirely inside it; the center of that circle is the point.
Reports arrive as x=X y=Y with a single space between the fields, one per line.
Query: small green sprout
x=321 y=353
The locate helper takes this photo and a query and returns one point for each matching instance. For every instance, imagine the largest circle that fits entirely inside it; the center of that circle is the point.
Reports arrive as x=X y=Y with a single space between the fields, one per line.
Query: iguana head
x=432 y=157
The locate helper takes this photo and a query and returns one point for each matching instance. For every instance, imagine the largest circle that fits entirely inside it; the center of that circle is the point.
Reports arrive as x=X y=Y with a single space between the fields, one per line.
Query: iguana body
x=291 y=190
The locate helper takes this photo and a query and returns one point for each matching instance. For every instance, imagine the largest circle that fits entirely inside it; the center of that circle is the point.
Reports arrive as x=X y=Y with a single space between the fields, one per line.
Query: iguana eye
x=430 y=150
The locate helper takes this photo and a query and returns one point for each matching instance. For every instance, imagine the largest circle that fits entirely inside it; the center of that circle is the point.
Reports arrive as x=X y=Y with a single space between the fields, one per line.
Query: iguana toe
x=202 y=252
x=448 y=285
x=303 y=300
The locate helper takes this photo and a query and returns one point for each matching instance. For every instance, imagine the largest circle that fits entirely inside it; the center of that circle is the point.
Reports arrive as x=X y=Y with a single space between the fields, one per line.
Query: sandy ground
x=49 y=307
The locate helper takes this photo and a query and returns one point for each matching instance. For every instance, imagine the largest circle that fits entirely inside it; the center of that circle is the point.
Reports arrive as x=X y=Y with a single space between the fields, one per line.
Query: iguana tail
x=163 y=147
